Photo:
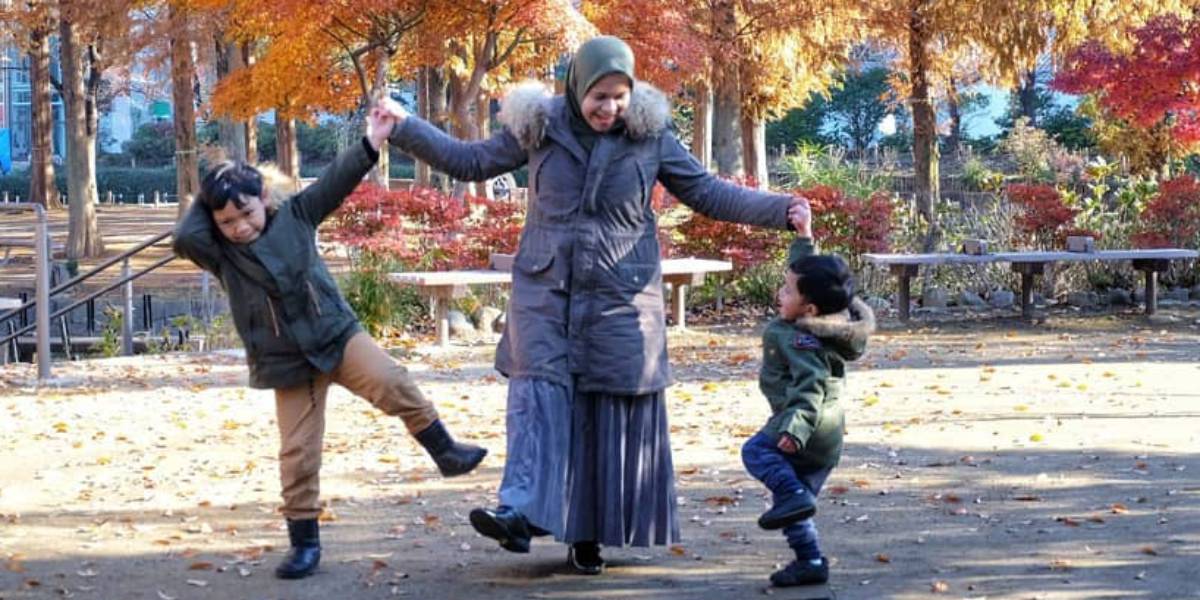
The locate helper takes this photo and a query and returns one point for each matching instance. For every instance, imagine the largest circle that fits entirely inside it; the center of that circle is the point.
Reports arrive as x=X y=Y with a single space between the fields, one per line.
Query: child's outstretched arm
x=196 y=239
x=325 y=195
x=800 y=218
x=805 y=392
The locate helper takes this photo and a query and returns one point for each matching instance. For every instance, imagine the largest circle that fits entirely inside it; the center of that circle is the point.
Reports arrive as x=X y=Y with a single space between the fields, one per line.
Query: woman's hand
x=379 y=126
x=393 y=109
x=800 y=216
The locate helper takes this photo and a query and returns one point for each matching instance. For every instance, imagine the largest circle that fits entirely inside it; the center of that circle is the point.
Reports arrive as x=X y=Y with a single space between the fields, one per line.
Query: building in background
x=16 y=114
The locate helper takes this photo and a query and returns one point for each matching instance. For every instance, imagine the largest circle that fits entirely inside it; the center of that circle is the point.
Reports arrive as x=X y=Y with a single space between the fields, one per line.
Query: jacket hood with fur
x=528 y=109
x=846 y=332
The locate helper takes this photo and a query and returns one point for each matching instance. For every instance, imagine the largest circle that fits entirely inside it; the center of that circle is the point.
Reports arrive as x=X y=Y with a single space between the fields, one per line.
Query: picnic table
x=1029 y=264
x=443 y=286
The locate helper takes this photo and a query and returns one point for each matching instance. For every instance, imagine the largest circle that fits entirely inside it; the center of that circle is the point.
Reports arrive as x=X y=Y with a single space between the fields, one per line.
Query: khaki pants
x=368 y=372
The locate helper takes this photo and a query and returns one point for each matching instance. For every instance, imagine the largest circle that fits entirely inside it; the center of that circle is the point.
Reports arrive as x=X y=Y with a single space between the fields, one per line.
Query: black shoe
x=585 y=558
x=790 y=509
x=801 y=572
x=504 y=525
x=301 y=561
x=452 y=458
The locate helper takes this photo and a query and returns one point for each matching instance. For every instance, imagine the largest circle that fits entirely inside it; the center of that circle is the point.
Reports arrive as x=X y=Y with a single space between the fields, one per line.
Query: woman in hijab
x=584 y=347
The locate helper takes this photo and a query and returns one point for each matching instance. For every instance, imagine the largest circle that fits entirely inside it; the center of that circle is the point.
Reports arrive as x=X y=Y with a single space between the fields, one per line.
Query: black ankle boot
x=504 y=525
x=801 y=572
x=452 y=458
x=585 y=558
x=790 y=509
x=305 y=554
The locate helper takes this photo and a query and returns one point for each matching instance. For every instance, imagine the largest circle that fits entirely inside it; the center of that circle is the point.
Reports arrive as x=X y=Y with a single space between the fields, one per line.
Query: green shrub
x=125 y=183
x=380 y=304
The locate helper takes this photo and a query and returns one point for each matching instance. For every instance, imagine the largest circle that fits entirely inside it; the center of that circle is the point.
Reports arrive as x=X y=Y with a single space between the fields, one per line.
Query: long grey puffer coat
x=587 y=299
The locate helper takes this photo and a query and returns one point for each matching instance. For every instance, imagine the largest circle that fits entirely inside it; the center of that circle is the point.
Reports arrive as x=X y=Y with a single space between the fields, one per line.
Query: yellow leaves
x=1037 y=437
x=871 y=400
x=60 y=427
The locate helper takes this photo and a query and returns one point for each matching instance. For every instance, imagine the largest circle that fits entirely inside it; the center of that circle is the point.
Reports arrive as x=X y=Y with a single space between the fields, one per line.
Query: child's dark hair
x=825 y=281
x=228 y=182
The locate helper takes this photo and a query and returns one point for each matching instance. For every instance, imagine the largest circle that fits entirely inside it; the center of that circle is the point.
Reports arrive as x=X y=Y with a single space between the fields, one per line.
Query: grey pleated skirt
x=590 y=467
x=621 y=479
x=538 y=423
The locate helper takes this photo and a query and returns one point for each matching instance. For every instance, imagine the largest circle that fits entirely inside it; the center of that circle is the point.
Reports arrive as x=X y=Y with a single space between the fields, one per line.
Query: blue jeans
x=768 y=464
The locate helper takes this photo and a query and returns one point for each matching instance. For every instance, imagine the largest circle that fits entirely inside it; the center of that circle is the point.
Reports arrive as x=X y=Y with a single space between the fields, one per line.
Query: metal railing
x=41 y=301
x=41 y=237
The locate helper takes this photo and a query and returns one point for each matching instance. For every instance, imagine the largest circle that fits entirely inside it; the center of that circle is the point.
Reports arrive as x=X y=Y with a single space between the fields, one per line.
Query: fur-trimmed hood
x=530 y=108
x=846 y=332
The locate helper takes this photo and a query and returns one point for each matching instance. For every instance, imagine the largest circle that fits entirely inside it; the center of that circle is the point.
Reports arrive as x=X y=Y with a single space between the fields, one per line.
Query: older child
x=820 y=326
x=299 y=333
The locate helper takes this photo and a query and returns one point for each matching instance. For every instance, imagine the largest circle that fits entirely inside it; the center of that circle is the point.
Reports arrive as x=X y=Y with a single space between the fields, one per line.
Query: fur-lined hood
x=846 y=332
x=529 y=109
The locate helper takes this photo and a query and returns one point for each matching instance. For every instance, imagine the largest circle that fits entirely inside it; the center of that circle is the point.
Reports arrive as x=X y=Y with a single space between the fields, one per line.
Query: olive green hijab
x=593 y=60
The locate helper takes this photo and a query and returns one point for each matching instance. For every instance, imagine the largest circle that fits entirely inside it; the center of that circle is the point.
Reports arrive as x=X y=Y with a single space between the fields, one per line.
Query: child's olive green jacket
x=803 y=373
x=286 y=307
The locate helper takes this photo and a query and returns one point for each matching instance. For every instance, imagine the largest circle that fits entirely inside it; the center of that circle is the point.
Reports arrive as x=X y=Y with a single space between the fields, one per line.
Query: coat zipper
x=312 y=295
x=274 y=321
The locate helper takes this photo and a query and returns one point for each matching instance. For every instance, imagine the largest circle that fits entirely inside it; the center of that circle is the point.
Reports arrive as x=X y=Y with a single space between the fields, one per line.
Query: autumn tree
x=89 y=45
x=313 y=57
x=927 y=35
x=482 y=45
x=31 y=24
x=1153 y=86
x=768 y=57
x=521 y=36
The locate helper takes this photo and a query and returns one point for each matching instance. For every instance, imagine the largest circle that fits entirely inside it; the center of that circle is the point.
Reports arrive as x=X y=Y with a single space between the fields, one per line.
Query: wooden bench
x=444 y=286
x=8 y=243
x=1028 y=264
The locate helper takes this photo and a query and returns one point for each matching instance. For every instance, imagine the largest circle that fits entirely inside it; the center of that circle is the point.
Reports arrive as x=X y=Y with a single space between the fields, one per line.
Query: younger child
x=299 y=333
x=820 y=326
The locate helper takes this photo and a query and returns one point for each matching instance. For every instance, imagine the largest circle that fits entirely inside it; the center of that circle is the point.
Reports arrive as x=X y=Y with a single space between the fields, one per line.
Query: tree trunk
x=483 y=125
x=439 y=114
x=83 y=234
x=462 y=122
x=250 y=129
x=925 y=149
x=727 y=106
x=381 y=173
x=422 y=173
x=251 y=126
x=183 y=77
x=232 y=133
x=1027 y=96
x=754 y=149
x=287 y=148
x=41 y=163
x=702 y=115
x=952 y=106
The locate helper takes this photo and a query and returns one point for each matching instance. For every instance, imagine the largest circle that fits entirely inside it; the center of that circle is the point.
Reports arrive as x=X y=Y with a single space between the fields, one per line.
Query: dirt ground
x=986 y=458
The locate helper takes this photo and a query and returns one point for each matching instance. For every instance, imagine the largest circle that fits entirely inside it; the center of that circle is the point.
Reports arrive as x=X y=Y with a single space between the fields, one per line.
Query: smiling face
x=242 y=224
x=606 y=101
